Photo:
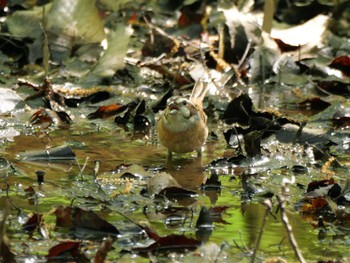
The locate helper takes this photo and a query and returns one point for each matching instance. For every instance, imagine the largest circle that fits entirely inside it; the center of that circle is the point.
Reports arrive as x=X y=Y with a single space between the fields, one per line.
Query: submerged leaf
x=176 y=193
x=170 y=243
x=67 y=251
x=79 y=218
x=60 y=153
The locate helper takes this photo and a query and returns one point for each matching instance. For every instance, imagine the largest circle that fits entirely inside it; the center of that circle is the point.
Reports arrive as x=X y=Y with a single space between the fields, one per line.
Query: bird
x=182 y=127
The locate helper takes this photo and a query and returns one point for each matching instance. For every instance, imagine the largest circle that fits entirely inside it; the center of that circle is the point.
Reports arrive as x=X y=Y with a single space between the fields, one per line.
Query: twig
x=97 y=167
x=245 y=54
x=221 y=51
x=268 y=206
x=282 y=203
x=262 y=83
x=243 y=244
x=9 y=198
x=81 y=169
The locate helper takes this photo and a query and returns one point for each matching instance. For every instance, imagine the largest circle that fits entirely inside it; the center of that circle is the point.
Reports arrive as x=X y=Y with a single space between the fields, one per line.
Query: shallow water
x=238 y=229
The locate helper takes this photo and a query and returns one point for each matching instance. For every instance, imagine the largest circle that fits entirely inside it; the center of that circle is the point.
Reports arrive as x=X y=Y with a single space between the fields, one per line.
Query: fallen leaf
x=284 y=47
x=315 y=206
x=334 y=87
x=107 y=111
x=239 y=110
x=319 y=184
x=315 y=105
x=158 y=43
x=342 y=63
x=33 y=223
x=141 y=123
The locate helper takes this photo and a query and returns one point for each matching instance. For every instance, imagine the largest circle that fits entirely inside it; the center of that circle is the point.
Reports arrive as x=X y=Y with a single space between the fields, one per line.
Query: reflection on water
x=189 y=173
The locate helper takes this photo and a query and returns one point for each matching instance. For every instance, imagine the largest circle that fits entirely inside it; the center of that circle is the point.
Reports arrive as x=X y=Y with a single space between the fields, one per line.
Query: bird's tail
x=199 y=91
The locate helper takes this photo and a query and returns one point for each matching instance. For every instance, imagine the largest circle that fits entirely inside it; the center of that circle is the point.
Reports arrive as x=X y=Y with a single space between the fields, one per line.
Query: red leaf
x=107 y=111
x=71 y=247
x=33 y=222
x=284 y=47
x=3 y=3
x=342 y=63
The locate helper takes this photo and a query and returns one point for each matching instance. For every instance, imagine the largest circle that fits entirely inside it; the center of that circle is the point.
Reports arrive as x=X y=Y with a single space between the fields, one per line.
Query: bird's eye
x=184 y=103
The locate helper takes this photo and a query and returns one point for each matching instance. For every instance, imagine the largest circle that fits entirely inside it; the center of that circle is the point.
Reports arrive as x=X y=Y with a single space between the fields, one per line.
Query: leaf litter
x=84 y=83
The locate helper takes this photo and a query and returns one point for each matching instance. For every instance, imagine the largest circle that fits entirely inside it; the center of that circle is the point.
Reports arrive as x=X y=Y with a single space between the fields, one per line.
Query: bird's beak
x=172 y=107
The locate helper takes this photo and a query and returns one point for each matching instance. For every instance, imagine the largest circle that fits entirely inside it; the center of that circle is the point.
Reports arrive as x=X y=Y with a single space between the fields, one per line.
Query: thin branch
x=282 y=203
x=268 y=206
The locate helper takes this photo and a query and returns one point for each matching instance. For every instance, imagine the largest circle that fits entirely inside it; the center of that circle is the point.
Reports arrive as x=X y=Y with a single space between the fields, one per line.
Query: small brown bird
x=183 y=126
